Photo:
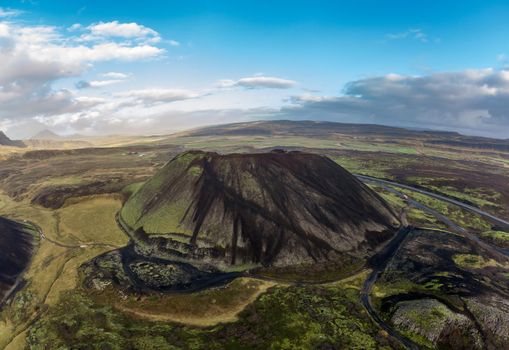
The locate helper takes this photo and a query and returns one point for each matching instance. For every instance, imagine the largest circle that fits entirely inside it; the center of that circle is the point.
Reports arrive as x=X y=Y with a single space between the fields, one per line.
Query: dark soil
x=16 y=249
x=134 y=272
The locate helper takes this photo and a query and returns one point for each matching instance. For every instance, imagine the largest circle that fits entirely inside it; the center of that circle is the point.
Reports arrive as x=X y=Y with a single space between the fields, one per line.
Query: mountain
x=271 y=209
x=5 y=141
x=310 y=128
x=46 y=135
x=331 y=130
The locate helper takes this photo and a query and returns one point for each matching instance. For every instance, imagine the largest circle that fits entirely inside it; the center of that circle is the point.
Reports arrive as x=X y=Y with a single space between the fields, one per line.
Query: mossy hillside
x=428 y=321
x=165 y=217
x=251 y=208
x=131 y=189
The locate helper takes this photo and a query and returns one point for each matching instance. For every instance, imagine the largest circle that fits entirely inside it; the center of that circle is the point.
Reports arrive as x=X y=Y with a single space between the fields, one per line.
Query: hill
x=17 y=245
x=5 y=141
x=273 y=209
x=331 y=130
x=309 y=128
x=46 y=135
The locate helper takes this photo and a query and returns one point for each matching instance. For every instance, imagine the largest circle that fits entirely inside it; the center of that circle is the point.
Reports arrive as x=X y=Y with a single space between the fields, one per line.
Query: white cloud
x=116 y=75
x=122 y=30
x=100 y=52
x=4 y=12
x=97 y=83
x=416 y=34
x=474 y=101
x=34 y=57
x=155 y=96
x=75 y=27
x=173 y=42
x=257 y=82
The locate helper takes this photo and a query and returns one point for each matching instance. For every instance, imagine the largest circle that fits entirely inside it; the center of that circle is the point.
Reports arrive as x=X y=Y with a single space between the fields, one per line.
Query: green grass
x=165 y=218
x=228 y=142
x=472 y=261
x=415 y=217
x=498 y=237
x=131 y=189
x=283 y=318
x=461 y=217
x=363 y=166
x=479 y=196
x=425 y=316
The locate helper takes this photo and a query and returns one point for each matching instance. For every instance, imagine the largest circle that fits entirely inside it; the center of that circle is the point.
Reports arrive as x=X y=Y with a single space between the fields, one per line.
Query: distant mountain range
x=324 y=130
x=46 y=135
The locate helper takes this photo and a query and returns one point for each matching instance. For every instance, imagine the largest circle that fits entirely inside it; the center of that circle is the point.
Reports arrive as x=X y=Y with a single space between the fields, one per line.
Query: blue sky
x=433 y=64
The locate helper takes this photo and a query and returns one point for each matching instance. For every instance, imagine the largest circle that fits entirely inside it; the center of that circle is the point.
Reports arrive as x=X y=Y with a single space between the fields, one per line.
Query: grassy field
x=54 y=268
x=91 y=219
x=282 y=317
x=293 y=317
x=204 y=309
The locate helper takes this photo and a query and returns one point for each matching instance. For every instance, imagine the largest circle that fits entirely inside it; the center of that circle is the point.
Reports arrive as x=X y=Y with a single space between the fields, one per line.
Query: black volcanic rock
x=17 y=245
x=271 y=209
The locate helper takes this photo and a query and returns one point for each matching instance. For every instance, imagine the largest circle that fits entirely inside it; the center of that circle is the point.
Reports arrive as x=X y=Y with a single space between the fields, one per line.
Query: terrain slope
x=6 y=141
x=16 y=248
x=273 y=209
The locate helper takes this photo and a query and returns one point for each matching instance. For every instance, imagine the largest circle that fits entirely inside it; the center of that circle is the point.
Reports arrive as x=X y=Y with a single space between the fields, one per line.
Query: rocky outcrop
x=493 y=316
x=434 y=321
x=132 y=272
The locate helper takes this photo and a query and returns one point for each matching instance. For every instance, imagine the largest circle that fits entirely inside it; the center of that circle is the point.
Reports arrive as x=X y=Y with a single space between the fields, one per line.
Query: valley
x=74 y=197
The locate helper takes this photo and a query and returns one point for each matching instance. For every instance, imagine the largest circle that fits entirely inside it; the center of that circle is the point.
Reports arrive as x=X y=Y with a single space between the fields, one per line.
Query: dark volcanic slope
x=274 y=208
x=16 y=248
x=5 y=141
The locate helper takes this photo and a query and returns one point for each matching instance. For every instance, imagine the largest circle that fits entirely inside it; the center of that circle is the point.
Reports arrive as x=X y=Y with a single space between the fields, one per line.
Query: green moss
x=471 y=261
x=283 y=318
x=166 y=219
x=187 y=157
x=131 y=189
x=461 y=217
x=499 y=237
x=369 y=167
x=433 y=285
x=195 y=170
x=479 y=196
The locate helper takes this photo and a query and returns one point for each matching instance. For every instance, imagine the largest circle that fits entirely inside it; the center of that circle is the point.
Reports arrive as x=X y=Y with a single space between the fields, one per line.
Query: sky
x=153 y=66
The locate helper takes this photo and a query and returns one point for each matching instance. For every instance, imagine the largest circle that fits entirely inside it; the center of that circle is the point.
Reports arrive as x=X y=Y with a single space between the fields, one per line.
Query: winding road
x=496 y=220
x=383 y=257
x=388 y=185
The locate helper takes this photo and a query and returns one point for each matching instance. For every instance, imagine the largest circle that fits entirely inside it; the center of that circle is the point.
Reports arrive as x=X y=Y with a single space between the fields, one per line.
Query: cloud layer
x=33 y=58
x=258 y=82
x=473 y=101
